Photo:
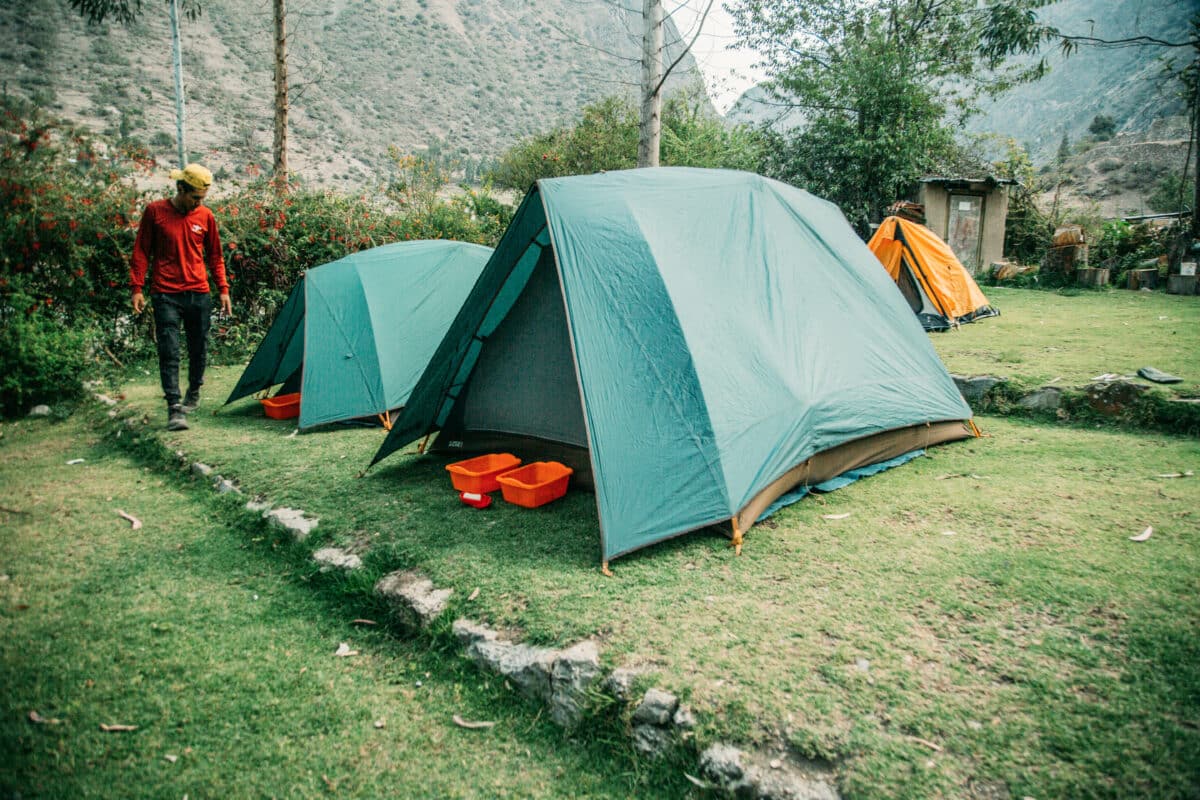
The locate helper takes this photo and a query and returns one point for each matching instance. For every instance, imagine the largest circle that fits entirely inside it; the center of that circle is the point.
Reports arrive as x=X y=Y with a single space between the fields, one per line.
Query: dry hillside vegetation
x=467 y=77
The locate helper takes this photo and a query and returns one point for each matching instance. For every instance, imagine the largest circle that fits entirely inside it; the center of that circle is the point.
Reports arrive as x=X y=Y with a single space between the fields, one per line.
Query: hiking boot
x=191 y=401
x=176 y=419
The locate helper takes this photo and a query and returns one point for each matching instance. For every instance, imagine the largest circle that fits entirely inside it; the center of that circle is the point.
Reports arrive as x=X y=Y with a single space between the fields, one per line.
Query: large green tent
x=356 y=334
x=697 y=343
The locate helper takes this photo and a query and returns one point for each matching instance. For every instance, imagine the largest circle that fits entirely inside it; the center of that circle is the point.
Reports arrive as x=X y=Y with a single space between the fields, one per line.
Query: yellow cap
x=193 y=175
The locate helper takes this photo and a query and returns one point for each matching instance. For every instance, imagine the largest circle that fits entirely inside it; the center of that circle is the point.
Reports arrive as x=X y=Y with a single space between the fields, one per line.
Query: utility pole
x=650 y=125
x=280 y=168
x=177 y=61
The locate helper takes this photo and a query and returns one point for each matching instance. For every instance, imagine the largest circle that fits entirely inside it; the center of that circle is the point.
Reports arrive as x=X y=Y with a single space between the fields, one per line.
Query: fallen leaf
x=1143 y=536
x=363 y=622
x=134 y=522
x=117 y=728
x=380 y=723
x=932 y=746
x=834 y=516
x=344 y=651
x=473 y=594
x=474 y=726
x=171 y=758
x=38 y=719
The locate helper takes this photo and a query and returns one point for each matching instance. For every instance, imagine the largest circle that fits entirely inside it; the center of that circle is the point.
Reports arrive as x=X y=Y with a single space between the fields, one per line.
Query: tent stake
x=421 y=447
x=604 y=570
x=737 y=536
x=386 y=419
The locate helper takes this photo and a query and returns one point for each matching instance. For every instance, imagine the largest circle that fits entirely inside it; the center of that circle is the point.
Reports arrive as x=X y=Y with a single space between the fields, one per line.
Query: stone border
x=1113 y=396
x=566 y=680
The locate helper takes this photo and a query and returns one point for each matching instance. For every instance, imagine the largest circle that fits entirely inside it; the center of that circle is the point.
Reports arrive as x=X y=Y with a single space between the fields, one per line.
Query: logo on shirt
x=196 y=228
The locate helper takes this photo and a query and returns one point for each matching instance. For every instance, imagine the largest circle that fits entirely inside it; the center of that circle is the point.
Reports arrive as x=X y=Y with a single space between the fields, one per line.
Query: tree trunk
x=280 y=170
x=650 y=125
x=177 y=68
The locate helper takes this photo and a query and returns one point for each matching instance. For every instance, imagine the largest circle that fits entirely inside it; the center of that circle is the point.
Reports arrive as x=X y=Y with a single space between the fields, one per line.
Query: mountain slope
x=1123 y=83
x=467 y=77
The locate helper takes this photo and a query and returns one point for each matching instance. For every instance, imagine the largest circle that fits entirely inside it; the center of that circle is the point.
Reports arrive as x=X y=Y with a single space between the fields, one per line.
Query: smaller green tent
x=356 y=334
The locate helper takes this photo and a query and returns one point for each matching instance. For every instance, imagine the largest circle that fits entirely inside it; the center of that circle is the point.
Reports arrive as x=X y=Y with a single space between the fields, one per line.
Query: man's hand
x=226 y=305
x=139 y=302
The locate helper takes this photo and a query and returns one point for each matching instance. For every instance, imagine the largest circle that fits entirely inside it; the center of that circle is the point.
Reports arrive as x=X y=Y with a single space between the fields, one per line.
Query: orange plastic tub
x=535 y=484
x=282 y=406
x=479 y=474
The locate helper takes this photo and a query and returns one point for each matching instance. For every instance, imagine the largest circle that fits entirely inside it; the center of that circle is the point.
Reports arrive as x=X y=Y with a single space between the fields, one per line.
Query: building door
x=964 y=233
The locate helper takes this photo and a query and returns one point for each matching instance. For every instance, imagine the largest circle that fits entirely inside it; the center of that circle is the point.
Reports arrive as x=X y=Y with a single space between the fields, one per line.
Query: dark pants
x=194 y=310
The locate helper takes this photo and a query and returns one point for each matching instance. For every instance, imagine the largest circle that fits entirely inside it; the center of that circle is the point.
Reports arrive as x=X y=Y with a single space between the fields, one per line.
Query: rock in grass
x=335 y=558
x=746 y=774
x=414 y=595
x=975 y=387
x=292 y=520
x=1048 y=398
x=560 y=678
x=201 y=470
x=40 y=411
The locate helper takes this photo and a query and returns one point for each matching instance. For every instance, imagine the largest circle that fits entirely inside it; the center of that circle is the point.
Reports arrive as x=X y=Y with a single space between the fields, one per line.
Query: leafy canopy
x=606 y=138
x=881 y=86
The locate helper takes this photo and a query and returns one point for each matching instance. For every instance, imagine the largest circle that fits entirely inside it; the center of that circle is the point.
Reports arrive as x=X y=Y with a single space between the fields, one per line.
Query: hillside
x=465 y=77
x=1124 y=83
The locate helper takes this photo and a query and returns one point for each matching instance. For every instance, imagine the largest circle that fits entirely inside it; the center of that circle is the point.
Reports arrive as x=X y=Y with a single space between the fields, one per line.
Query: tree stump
x=1092 y=276
x=1143 y=278
x=1181 y=284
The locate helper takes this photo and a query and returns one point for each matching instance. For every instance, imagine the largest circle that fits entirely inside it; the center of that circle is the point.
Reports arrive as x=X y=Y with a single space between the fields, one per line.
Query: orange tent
x=937 y=287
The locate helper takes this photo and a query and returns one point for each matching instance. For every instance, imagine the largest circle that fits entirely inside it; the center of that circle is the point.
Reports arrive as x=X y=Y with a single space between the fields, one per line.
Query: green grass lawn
x=992 y=587
x=979 y=625
x=1071 y=338
x=208 y=640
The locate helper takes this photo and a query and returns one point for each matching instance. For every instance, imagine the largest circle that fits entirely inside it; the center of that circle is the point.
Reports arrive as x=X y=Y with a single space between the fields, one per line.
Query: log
x=1143 y=278
x=1092 y=276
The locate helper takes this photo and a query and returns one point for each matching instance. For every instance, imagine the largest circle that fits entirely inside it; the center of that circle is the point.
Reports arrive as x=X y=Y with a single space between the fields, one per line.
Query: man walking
x=177 y=240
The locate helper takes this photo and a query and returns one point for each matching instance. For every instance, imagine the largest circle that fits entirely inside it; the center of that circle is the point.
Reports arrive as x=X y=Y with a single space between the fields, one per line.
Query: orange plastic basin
x=535 y=484
x=282 y=406
x=479 y=474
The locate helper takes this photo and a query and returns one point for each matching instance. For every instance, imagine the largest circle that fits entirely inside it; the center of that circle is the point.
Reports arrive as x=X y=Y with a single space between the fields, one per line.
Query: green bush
x=606 y=138
x=68 y=215
x=42 y=358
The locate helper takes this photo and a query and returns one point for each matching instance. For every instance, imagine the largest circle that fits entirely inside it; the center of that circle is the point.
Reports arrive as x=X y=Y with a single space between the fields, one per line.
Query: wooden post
x=650 y=124
x=279 y=173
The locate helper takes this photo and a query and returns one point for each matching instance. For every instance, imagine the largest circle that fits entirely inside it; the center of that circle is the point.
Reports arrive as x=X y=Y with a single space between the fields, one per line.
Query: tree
x=1102 y=127
x=882 y=83
x=1064 y=150
x=125 y=12
x=606 y=139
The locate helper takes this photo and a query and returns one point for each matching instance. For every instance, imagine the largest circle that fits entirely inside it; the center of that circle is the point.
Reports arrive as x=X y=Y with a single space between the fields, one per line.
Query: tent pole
x=737 y=536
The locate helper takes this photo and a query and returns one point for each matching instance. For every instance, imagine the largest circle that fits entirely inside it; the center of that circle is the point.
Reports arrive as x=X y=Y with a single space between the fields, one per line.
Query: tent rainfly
x=699 y=344
x=937 y=287
x=356 y=334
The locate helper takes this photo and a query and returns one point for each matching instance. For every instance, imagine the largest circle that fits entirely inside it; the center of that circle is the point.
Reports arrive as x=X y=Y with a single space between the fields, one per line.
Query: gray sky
x=727 y=72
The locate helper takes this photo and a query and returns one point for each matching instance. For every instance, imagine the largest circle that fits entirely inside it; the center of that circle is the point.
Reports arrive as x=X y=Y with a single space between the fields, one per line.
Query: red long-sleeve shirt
x=176 y=247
